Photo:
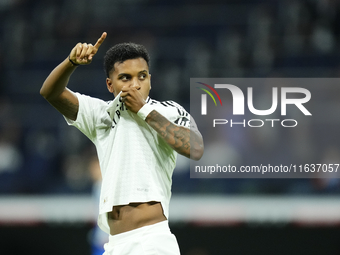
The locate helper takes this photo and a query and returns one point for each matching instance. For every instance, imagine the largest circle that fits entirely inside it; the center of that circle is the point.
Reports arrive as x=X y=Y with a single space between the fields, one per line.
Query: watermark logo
x=272 y=127
x=238 y=99
x=204 y=97
x=238 y=103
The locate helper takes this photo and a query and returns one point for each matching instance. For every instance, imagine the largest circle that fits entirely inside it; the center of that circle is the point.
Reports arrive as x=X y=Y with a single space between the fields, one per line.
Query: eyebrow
x=123 y=74
x=144 y=71
x=127 y=74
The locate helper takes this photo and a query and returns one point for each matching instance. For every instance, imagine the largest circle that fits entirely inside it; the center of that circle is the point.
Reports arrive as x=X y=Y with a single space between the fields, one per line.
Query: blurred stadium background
x=46 y=184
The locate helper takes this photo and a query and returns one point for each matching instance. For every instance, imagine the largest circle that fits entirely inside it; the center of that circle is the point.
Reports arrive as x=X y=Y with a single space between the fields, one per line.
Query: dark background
x=192 y=239
x=41 y=156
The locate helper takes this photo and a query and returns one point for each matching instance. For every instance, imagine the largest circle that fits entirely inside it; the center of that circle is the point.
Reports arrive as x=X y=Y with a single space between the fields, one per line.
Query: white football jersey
x=136 y=163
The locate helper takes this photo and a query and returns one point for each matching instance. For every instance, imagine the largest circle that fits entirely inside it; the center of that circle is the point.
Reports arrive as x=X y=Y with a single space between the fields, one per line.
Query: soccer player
x=137 y=140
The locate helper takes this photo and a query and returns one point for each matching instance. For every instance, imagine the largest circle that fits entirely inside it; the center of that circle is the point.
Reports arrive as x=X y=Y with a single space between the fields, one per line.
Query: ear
x=109 y=85
x=150 y=81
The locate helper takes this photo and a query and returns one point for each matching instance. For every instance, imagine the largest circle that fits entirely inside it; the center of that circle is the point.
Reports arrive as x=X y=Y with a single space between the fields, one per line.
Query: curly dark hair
x=124 y=51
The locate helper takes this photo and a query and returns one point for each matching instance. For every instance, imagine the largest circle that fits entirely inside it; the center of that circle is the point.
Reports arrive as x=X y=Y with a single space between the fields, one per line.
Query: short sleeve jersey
x=136 y=163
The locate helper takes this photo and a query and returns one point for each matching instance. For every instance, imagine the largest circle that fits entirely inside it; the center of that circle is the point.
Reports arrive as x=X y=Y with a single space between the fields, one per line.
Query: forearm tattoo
x=177 y=137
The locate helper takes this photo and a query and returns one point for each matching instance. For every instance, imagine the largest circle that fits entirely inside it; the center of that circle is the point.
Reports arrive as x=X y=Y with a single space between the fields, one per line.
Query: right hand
x=83 y=53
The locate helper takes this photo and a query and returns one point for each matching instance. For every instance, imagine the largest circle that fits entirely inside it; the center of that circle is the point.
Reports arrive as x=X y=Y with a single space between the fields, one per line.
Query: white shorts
x=154 y=239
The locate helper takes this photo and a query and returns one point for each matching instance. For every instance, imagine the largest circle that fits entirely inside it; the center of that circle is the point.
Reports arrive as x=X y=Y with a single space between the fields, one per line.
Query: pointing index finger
x=100 y=40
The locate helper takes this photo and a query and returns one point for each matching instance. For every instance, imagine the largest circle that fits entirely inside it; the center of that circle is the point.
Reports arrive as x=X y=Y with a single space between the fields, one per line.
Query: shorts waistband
x=162 y=226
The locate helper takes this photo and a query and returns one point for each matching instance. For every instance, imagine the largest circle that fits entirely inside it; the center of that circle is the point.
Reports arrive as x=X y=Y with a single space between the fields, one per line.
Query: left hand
x=132 y=98
x=83 y=53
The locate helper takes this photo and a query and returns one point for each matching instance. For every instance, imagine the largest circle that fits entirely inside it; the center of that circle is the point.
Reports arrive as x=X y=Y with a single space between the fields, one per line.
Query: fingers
x=129 y=93
x=84 y=49
x=132 y=99
x=89 y=53
x=125 y=94
x=83 y=53
x=79 y=48
x=100 y=40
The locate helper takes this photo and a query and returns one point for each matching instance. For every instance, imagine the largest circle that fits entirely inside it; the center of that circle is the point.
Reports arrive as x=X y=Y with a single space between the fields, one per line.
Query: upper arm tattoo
x=69 y=108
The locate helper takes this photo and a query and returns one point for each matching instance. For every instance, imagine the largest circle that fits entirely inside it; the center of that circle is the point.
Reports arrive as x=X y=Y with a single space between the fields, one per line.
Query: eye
x=142 y=76
x=124 y=78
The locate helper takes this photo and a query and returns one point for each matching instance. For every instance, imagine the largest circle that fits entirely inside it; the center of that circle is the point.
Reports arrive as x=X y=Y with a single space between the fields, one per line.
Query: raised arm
x=54 y=89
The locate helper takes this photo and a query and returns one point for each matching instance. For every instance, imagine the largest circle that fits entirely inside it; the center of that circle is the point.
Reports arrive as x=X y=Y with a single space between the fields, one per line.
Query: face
x=131 y=73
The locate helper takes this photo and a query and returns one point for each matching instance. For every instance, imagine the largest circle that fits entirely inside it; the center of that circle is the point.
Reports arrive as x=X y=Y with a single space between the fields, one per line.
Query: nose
x=135 y=84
